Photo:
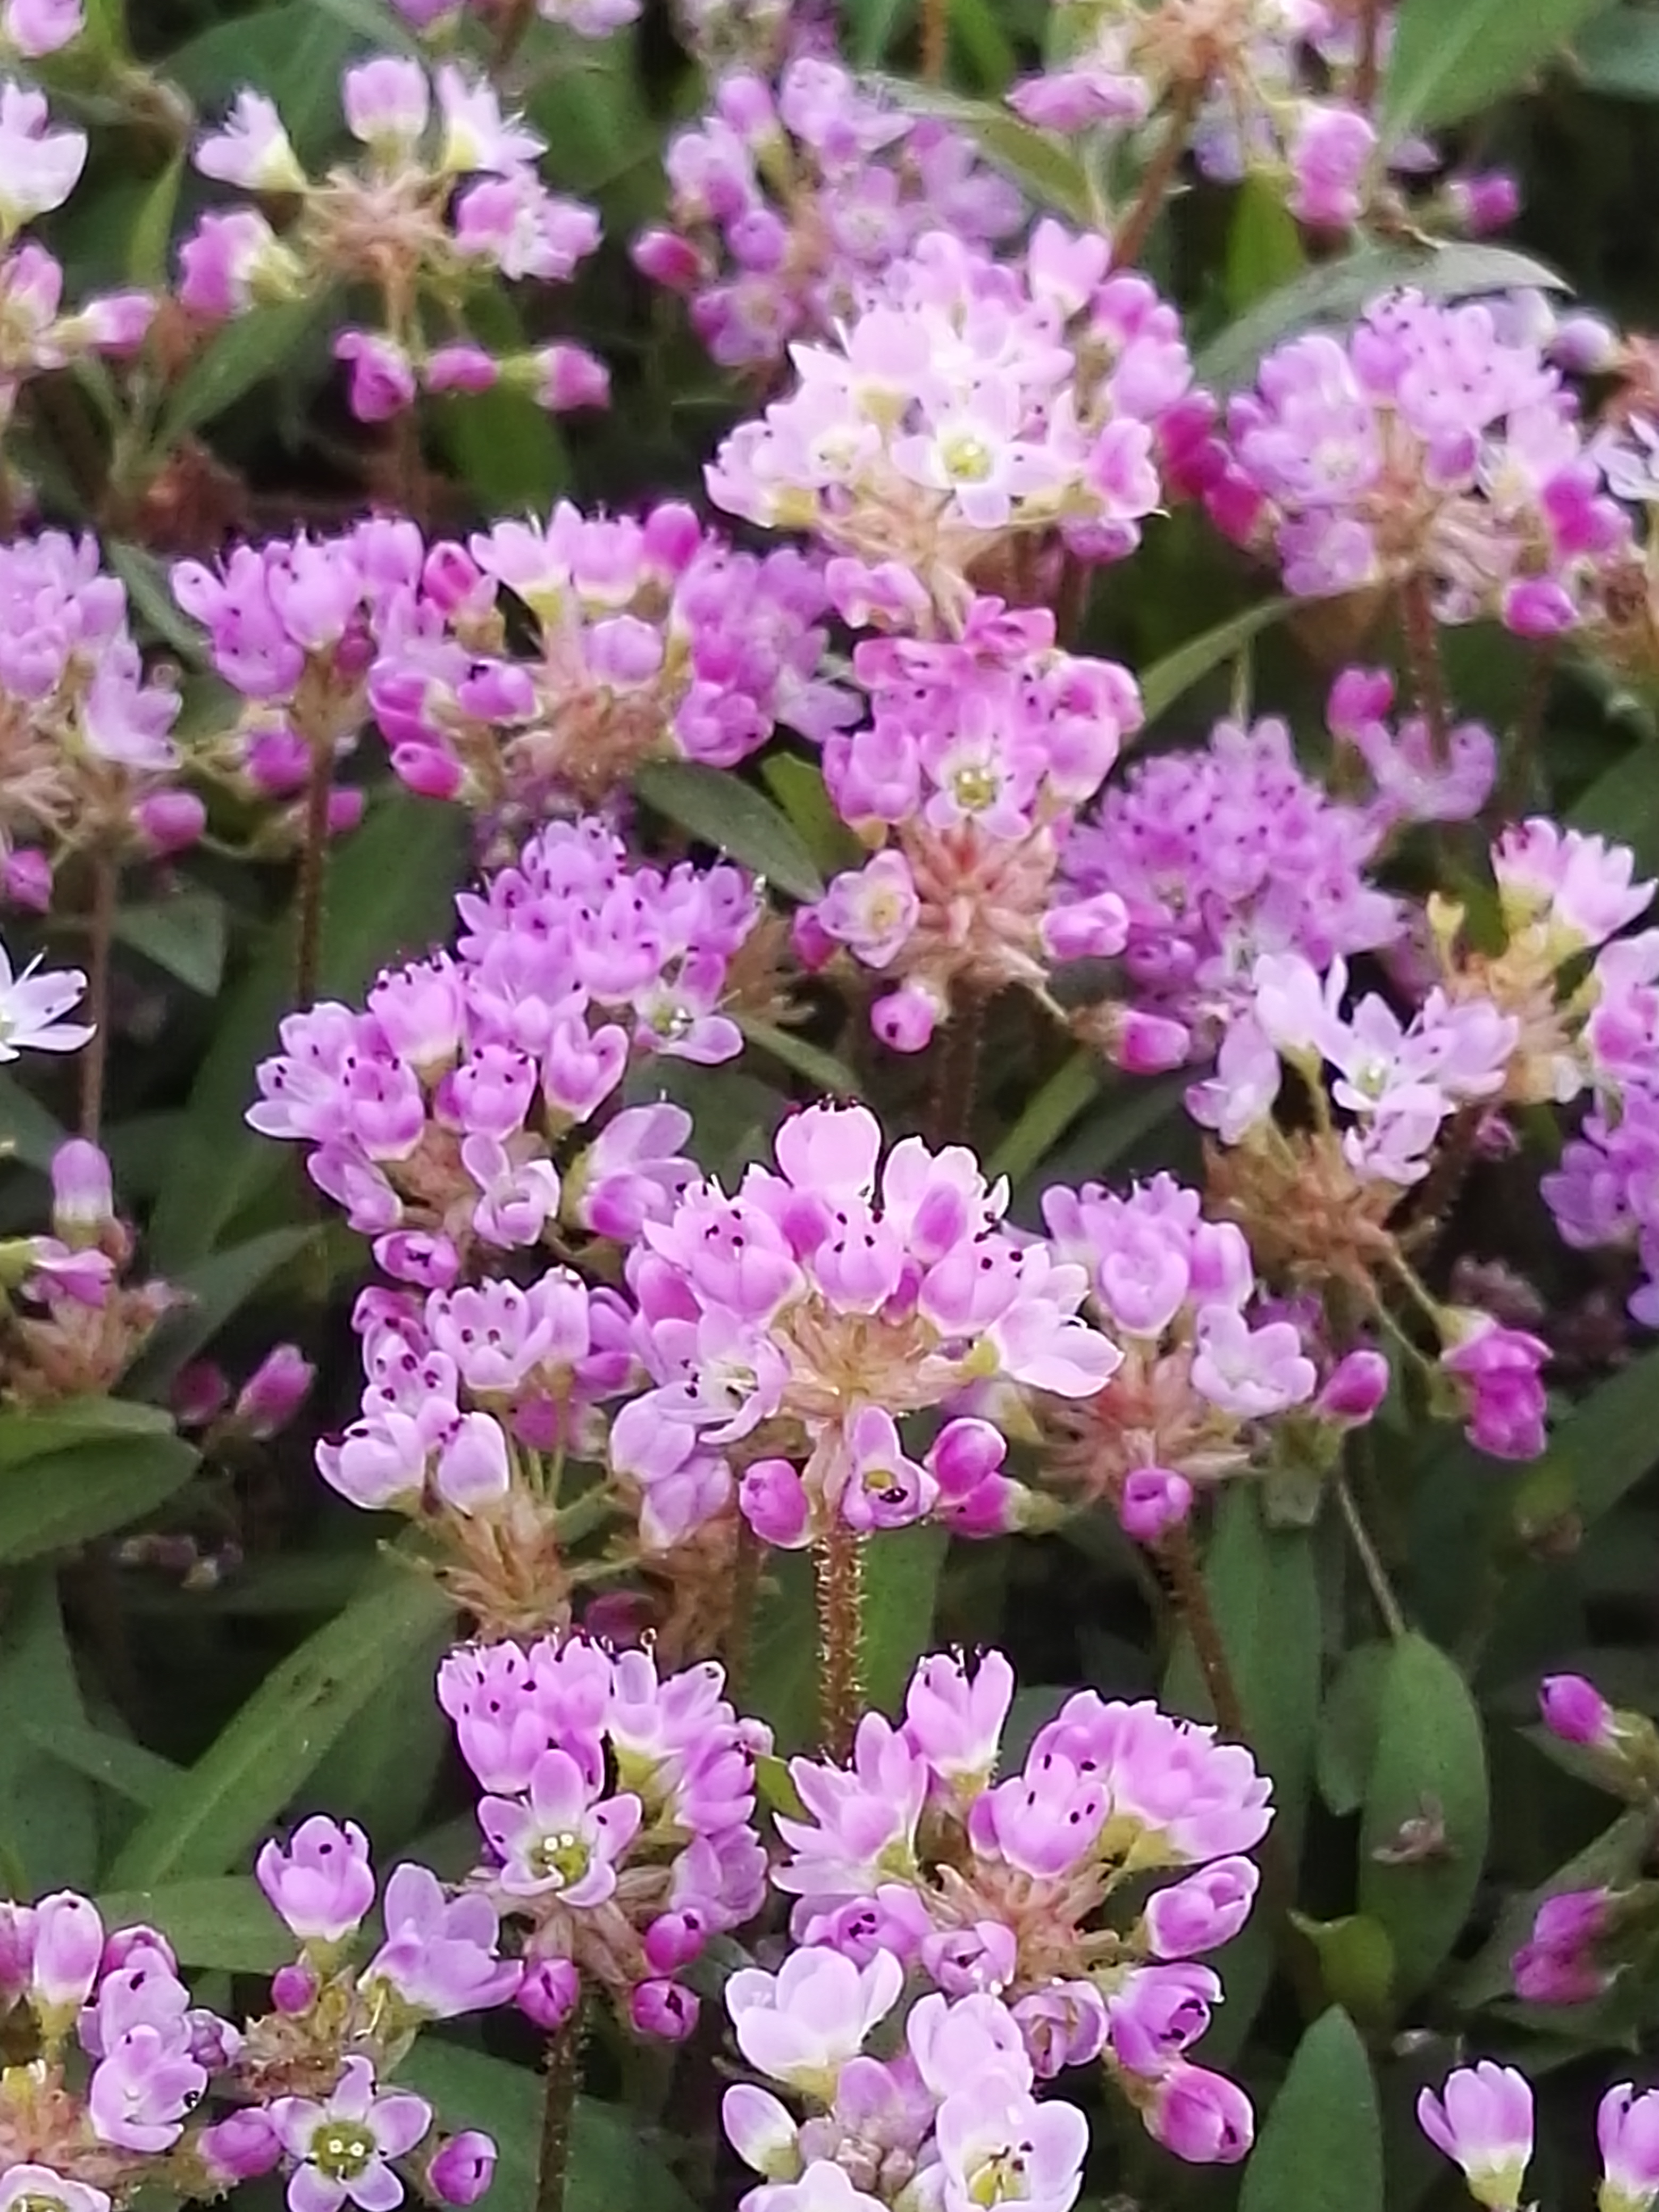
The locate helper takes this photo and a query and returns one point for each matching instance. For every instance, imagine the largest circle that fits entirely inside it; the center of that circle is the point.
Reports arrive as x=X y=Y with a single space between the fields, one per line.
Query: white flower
x=30 y=1006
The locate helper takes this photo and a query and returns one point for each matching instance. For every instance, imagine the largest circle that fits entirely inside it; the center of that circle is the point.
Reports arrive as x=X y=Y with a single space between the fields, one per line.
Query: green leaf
x=1068 y=1092
x=1348 y=1724
x=797 y=786
x=612 y=2162
x=873 y=22
x=246 y=351
x=902 y=1568
x=1451 y=57
x=77 y=1421
x=1616 y=55
x=186 y=934
x=819 y=1067
x=1172 y=678
x=731 y=816
x=148 y=247
x=1264 y=1594
x=388 y=896
x=27 y=1132
x=48 y=1812
x=150 y=596
x=1041 y=166
x=1610 y=1439
x=1356 y=1964
x=1264 y=246
x=1623 y=804
x=224 y=1922
x=216 y=1288
x=65 y=1497
x=263 y=1758
x=1336 y=293
x=507 y=448
x=1427 y=1811
x=1320 y=2146
x=115 y=1762
x=602 y=141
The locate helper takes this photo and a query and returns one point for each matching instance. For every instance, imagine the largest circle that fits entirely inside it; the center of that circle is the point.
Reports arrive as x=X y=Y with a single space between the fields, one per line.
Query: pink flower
x=1482 y=2120
x=1576 y=1711
x=1199 y=2116
x=1497 y=1368
x=994 y=2141
x=1627 y=2128
x=440 y=1953
x=343 y=2144
x=563 y=1840
x=803 y=2024
x=23 y=2186
x=954 y=1720
x=323 y=1884
x=31 y=1007
x=67 y=1949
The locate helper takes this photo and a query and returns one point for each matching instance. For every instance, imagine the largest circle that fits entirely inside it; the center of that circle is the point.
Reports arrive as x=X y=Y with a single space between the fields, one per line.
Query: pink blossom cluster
x=1482 y=2119
x=1434 y=449
x=789 y=1327
x=789 y=204
x=970 y=401
x=947 y=2118
x=87 y=762
x=444 y=198
x=39 y=169
x=913 y=1857
x=1208 y=1365
x=618 y=1814
x=653 y=639
x=1221 y=854
x=131 y=2088
x=1396 y=1082
x=433 y=1115
x=965 y=781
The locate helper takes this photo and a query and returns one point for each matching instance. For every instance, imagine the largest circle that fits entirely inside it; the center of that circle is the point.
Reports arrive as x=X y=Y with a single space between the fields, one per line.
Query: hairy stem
x=956 y=1078
x=838 y=1568
x=935 y=38
x=1366 y=71
x=313 y=871
x=1192 y=1602
x=94 y=1060
x=1129 y=240
x=563 y=2069
x=1370 y=1560
x=1423 y=659
x=740 y=1622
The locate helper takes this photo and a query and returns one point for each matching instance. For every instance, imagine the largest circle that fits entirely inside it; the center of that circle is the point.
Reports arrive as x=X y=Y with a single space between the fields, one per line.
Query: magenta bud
x=1154 y=1500
x=673 y=1940
x=571 y=377
x=293 y=1988
x=345 y=810
x=462 y=2168
x=426 y=772
x=549 y=1992
x=69 y=1951
x=668 y=259
x=277 y=762
x=814 y=946
x=26 y=880
x=1556 y=1978
x=1355 y=1387
x=170 y=820
x=1088 y=929
x=82 y=1193
x=965 y=1453
x=148 y=1945
x=200 y=1393
x=460 y=368
x=275 y=1391
x=774 y=1502
x=239 y=2147
x=905 y=1019
x=1149 y=1044
x=1358 y=695
x=1576 y=1711
x=450 y=576
x=667 y=2009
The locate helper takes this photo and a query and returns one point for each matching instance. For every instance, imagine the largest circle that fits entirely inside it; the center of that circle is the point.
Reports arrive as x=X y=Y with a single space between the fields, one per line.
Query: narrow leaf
x=27 y=1132
x=1069 y=1090
x=1040 y=165
x=55 y=1503
x=185 y=935
x=731 y=816
x=1617 y=54
x=123 y=1767
x=1451 y=57
x=1320 y=2147
x=236 y=358
x=222 y=1922
x=1172 y=678
x=818 y=1067
x=77 y=1421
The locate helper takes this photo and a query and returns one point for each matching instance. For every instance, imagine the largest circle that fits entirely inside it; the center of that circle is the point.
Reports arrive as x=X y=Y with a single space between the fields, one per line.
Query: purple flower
x=440 y=1953
x=342 y=2144
x=323 y=1884
x=1482 y=2120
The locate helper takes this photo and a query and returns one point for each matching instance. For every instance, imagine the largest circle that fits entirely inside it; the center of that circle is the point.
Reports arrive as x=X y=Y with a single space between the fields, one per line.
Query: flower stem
x=1192 y=1603
x=740 y=1622
x=955 y=1079
x=563 y=2069
x=935 y=38
x=1370 y=1560
x=1130 y=239
x=1423 y=659
x=314 y=869
x=95 y=1060
x=838 y=1568
x=1365 y=74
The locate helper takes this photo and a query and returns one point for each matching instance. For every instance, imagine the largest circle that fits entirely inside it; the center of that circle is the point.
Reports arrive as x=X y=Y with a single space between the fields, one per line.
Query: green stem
x=1370 y=1561
x=564 y=2070
x=838 y=1567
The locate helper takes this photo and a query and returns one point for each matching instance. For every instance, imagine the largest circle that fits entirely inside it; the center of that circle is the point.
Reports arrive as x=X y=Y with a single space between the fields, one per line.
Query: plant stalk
x=564 y=2070
x=955 y=1079
x=838 y=1568
x=94 y=1060
x=935 y=39
x=1129 y=241
x=1192 y=1602
x=1370 y=1561
x=313 y=871
x=1423 y=658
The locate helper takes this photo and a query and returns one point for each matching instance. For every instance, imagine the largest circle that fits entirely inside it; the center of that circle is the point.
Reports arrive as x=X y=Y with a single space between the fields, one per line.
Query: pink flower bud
x=667 y=2009
x=906 y=1019
x=275 y=1391
x=26 y=880
x=82 y=1193
x=138 y=1945
x=965 y=1453
x=549 y=1992
x=673 y=1940
x=323 y=1884
x=239 y=2147
x=570 y=377
x=461 y=368
x=1546 y=1977
x=1089 y=929
x=462 y=2169
x=774 y=1502
x=200 y=1392
x=664 y=258
x=293 y=1988
x=1149 y=1044
x=1576 y=1711
x=345 y=810
x=170 y=820
x=426 y=772
x=1354 y=1389
x=814 y=946
x=68 y=1950
x=1154 y=1501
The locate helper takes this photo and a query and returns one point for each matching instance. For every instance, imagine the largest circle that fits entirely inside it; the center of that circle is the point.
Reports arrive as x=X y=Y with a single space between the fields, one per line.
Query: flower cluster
x=86 y=764
x=39 y=167
x=1434 y=452
x=789 y=1327
x=970 y=401
x=1482 y=2119
x=965 y=780
x=1220 y=855
x=788 y=204
x=653 y=640
x=619 y=1817
x=913 y=1857
x=128 y=2086
x=71 y=1322
x=949 y=2118
x=444 y=198
x=433 y=1115
x=1206 y=1369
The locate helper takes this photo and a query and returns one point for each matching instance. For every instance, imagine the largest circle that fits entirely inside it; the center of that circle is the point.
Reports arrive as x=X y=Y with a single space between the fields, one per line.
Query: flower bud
x=68 y=1950
x=549 y=1992
x=667 y=2009
x=462 y=2169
